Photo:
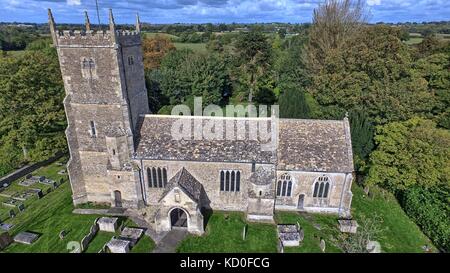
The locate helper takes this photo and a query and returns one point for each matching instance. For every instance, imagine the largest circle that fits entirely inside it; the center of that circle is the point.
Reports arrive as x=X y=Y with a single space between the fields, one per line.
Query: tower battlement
x=89 y=37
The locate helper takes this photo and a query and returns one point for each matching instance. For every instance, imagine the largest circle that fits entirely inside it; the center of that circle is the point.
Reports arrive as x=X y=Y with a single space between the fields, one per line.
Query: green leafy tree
x=32 y=117
x=254 y=56
x=293 y=103
x=410 y=153
x=430 y=210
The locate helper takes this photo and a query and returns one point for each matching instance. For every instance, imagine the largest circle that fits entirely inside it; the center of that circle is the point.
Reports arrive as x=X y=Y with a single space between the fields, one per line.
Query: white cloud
x=73 y=2
x=373 y=2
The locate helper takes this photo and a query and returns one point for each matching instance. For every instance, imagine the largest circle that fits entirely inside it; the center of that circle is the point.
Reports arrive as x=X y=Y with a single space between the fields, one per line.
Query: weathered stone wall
x=102 y=86
x=338 y=200
x=176 y=198
x=209 y=175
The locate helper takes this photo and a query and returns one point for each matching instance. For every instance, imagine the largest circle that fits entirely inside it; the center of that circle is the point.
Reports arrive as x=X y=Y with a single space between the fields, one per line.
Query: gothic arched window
x=230 y=181
x=322 y=187
x=284 y=186
x=157 y=177
x=222 y=181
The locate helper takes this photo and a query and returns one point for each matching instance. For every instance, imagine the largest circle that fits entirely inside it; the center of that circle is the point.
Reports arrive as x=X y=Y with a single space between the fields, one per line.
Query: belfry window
x=130 y=60
x=284 y=186
x=92 y=131
x=88 y=68
x=230 y=181
x=321 y=187
x=157 y=177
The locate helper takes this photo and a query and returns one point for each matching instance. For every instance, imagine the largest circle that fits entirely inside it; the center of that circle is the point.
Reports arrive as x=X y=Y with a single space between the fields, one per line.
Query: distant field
x=200 y=47
x=414 y=41
x=152 y=34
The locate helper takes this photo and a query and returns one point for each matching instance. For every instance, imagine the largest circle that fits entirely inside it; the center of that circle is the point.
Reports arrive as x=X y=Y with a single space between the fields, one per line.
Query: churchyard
x=51 y=218
x=224 y=232
x=48 y=216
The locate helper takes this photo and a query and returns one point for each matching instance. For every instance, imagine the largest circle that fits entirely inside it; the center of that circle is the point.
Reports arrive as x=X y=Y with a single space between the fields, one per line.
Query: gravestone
x=6 y=227
x=118 y=246
x=373 y=247
x=348 y=226
x=62 y=234
x=26 y=238
x=131 y=234
x=289 y=235
x=322 y=245
x=12 y=214
x=244 y=233
x=280 y=246
x=21 y=207
x=317 y=226
x=108 y=224
x=5 y=240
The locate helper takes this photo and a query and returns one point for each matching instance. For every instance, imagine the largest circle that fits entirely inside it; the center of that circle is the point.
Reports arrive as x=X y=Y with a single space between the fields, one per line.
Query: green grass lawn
x=399 y=234
x=225 y=235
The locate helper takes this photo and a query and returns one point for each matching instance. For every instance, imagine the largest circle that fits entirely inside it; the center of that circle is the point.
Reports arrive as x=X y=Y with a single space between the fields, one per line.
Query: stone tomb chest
x=290 y=235
x=5 y=240
x=118 y=246
x=108 y=224
x=26 y=238
x=348 y=226
x=131 y=234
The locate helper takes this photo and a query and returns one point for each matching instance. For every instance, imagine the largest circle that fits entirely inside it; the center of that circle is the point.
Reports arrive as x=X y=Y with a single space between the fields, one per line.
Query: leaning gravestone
x=62 y=234
x=322 y=245
x=244 y=233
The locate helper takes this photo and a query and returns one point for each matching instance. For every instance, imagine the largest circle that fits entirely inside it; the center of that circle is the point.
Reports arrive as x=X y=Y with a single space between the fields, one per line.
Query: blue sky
x=215 y=11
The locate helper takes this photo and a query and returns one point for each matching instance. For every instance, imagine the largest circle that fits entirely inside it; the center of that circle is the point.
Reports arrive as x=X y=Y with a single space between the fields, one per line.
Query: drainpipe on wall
x=342 y=194
x=141 y=179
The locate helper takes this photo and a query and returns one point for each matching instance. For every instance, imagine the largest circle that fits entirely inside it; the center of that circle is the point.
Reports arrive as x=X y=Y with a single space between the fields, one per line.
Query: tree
x=293 y=103
x=32 y=117
x=362 y=132
x=409 y=153
x=211 y=79
x=335 y=22
x=429 y=209
x=154 y=49
x=185 y=74
x=374 y=73
x=254 y=55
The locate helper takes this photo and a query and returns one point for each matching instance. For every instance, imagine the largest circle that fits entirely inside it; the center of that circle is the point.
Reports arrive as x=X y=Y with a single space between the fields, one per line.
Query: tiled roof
x=303 y=145
x=156 y=142
x=315 y=145
x=187 y=183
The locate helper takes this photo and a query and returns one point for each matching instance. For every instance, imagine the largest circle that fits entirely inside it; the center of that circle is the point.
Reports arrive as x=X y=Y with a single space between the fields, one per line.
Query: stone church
x=124 y=156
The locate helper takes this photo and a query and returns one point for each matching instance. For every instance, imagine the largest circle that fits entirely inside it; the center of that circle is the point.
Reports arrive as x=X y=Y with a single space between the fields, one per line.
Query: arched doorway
x=178 y=218
x=301 y=200
x=117 y=199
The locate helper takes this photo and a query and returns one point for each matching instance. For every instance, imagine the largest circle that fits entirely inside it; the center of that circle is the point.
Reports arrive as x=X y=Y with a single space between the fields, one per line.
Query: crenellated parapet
x=94 y=38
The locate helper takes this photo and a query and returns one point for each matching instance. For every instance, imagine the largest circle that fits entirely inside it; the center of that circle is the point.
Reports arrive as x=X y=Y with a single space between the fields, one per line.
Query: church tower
x=103 y=76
